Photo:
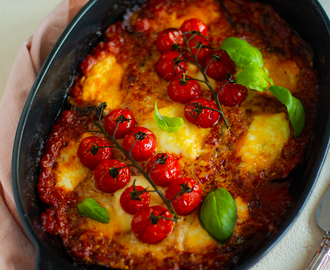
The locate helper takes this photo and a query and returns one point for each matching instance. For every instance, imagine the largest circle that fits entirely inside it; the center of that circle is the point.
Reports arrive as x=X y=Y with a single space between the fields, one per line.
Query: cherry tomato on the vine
x=126 y=121
x=188 y=195
x=201 y=117
x=166 y=67
x=180 y=91
x=110 y=175
x=218 y=69
x=194 y=25
x=232 y=94
x=89 y=145
x=144 y=142
x=169 y=37
x=149 y=226
x=165 y=171
x=202 y=52
x=132 y=200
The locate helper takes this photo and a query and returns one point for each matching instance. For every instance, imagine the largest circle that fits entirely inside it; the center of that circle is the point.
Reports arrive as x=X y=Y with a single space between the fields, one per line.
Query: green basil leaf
x=169 y=124
x=91 y=209
x=294 y=106
x=241 y=52
x=218 y=214
x=254 y=77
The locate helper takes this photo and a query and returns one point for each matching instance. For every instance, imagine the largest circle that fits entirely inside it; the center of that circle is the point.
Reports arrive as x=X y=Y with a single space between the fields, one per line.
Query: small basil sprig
x=241 y=52
x=169 y=124
x=294 y=106
x=218 y=214
x=91 y=209
x=254 y=77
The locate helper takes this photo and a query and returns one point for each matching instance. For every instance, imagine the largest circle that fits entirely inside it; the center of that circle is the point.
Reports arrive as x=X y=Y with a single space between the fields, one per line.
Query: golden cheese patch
x=285 y=73
x=187 y=141
x=264 y=141
x=243 y=211
x=102 y=83
x=70 y=171
x=208 y=16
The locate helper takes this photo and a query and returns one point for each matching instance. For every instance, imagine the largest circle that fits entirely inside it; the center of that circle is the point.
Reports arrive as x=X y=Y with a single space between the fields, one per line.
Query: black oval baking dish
x=48 y=94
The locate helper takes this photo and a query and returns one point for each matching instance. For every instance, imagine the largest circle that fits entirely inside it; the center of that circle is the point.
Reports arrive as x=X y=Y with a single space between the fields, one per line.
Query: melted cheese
x=70 y=171
x=187 y=141
x=285 y=73
x=210 y=15
x=243 y=211
x=102 y=83
x=187 y=235
x=264 y=141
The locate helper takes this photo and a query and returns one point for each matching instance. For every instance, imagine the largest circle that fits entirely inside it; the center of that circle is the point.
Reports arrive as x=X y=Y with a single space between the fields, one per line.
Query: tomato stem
x=203 y=71
x=137 y=166
x=184 y=189
x=95 y=148
x=199 y=109
x=161 y=160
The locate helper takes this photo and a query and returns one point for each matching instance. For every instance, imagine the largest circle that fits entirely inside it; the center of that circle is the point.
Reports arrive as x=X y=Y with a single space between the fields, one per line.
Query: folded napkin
x=16 y=250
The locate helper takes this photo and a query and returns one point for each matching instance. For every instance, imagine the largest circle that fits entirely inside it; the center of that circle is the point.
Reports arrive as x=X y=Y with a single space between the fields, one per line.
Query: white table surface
x=18 y=21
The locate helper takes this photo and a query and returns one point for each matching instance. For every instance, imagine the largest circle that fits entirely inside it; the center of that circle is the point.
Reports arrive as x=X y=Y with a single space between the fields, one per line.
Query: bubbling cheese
x=187 y=141
x=264 y=141
x=103 y=83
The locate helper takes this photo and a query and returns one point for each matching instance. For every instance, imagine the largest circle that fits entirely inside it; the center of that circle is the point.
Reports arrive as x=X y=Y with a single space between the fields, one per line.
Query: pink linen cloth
x=16 y=250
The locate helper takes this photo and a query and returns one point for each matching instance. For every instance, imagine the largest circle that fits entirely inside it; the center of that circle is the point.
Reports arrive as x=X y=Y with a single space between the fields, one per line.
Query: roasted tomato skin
x=218 y=69
x=166 y=68
x=147 y=232
x=132 y=206
x=207 y=118
x=167 y=38
x=164 y=174
x=194 y=25
x=232 y=94
x=183 y=92
x=186 y=202
x=143 y=149
x=85 y=155
x=109 y=183
x=123 y=128
x=202 y=53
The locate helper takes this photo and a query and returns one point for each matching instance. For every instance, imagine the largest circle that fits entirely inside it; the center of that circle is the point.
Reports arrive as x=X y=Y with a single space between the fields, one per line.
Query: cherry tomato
x=190 y=195
x=202 y=53
x=218 y=69
x=182 y=92
x=169 y=37
x=232 y=94
x=110 y=175
x=124 y=126
x=166 y=67
x=85 y=151
x=149 y=227
x=165 y=171
x=207 y=118
x=145 y=145
x=194 y=25
x=134 y=199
